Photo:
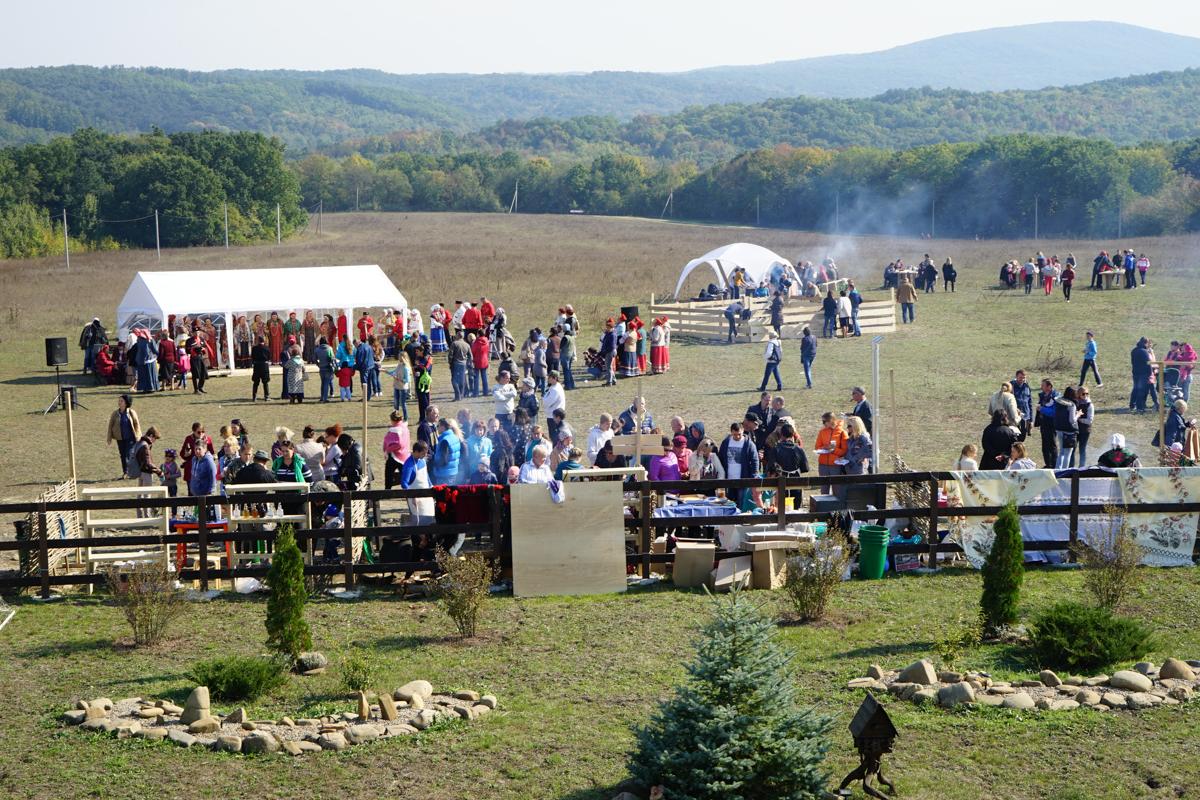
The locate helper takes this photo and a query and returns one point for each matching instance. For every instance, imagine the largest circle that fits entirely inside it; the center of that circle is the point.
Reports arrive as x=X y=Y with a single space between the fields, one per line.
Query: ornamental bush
x=1003 y=571
x=287 y=632
x=733 y=729
x=239 y=677
x=1076 y=637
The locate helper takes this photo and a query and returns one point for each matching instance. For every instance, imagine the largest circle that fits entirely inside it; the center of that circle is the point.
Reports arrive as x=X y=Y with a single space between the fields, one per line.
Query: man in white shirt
x=598 y=436
x=506 y=399
x=460 y=308
x=537 y=468
x=555 y=399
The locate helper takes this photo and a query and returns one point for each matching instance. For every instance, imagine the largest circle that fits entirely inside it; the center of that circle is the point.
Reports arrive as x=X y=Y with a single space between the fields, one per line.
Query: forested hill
x=313 y=109
x=1160 y=107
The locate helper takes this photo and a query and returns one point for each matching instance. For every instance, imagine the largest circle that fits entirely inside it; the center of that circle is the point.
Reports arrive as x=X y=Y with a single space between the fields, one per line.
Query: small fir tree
x=733 y=730
x=287 y=632
x=1003 y=571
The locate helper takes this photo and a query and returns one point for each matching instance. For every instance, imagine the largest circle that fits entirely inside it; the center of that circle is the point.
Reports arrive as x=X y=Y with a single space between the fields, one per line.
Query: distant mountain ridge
x=315 y=109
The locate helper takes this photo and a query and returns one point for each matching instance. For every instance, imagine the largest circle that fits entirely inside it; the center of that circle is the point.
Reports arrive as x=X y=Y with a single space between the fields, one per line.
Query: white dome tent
x=152 y=297
x=756 y=260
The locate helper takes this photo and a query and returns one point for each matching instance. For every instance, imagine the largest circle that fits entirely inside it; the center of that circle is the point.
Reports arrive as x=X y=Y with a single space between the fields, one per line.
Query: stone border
x=408 y=710
x=1144 y=686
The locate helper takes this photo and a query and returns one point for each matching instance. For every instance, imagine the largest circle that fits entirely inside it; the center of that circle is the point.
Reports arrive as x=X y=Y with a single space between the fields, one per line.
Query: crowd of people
x=1064 y=419
x=1047 y=272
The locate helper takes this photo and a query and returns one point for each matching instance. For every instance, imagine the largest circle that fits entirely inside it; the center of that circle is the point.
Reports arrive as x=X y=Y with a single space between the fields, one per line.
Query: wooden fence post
x=645 y=547
x=202 y=544
x=44 y=553
x=348 y=539
x=1073 y=524
x=933 y=523
x=496 y=518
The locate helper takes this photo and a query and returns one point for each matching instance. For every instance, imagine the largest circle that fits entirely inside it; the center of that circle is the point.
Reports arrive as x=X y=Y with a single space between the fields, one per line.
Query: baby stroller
x=593 y=362
x=1171 y=390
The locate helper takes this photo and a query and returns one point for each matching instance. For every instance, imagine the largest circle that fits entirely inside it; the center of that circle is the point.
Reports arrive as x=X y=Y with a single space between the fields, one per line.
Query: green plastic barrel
x=872 y=551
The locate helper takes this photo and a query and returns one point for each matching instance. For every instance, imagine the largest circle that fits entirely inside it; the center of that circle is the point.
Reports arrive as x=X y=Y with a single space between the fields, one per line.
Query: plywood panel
x=576 y=547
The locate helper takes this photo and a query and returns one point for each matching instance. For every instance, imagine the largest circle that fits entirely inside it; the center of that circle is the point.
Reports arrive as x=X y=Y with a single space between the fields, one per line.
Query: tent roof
x=756 y=260
x=241 y=290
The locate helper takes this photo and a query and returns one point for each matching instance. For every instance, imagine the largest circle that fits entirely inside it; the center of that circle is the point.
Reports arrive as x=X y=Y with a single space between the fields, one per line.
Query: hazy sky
x=513 y=36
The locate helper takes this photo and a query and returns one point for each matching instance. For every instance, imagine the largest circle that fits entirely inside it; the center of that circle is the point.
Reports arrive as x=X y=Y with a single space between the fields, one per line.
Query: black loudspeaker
x=629 y=311
x=56 y=351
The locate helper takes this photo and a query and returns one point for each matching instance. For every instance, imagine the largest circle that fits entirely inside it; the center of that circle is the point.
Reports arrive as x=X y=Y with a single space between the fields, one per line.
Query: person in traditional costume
x=643 y=348
x=439 y=318
x=291 y=329
x=308 y=337
x=241 y=340
x=275 y=337
x=629 y=362
x=660 y=338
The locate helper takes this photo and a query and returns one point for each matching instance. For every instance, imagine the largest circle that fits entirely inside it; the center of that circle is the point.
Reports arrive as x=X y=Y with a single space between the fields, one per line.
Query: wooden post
x=496 y=497
x=202 y=545
x=893 y=414
x=364 y=432
x=69 y=398
x=781 y=502
x=646 y=543
x=1073 y=524
x=44 y=552
x=933 y=521
x=1162 y=408
x=348 y=539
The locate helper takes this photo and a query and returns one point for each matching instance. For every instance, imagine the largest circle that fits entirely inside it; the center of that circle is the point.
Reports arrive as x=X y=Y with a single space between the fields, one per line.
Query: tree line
x=110 y=186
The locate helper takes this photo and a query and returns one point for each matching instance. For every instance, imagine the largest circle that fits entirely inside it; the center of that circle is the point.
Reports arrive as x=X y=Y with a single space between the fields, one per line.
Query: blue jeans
x=472 y=382
x=908 y=312
x=458 y=380
x=479 y=384
x=830 y=327
x=347 y=392
x=732 y=325
x=375 y=387
x=772 y=369
x=1186 y=385
x=400 y=401
x=1137 y=398
x=326 y=386
x=366 y=384
x=1065 y=453
x=854 y=318
x=807 y=362
x=564 y=367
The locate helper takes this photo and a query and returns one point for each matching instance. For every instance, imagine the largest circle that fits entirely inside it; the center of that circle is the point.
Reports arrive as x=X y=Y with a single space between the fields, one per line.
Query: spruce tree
x=733 y=730
x=287 y=632
x=1003 y=571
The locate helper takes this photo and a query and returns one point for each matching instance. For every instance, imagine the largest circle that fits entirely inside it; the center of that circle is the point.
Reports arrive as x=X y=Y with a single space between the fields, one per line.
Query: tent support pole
x=229 y=340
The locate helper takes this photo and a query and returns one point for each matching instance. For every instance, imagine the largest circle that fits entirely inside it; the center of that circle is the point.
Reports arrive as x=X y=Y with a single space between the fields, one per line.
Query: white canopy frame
x=755 y=259
x=153 y=297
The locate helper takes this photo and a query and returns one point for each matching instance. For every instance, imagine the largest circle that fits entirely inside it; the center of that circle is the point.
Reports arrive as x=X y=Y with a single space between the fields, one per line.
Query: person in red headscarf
x=643 y=347
x=275 y=337
x=105 y=366
x=660 y=359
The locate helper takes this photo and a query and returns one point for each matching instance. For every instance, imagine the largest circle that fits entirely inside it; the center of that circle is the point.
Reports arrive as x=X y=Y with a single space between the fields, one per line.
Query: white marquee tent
x=756 y=260
x=153 y=296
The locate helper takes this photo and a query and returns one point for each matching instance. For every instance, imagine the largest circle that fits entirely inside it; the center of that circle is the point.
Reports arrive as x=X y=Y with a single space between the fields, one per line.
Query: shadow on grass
x=424 y=640
x=48 y=379
x=604 y=792
x=890 y=649
x=71 y=648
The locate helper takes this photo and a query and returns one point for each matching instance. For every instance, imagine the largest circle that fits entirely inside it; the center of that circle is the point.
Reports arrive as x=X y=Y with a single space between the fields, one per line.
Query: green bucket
x=872 y=551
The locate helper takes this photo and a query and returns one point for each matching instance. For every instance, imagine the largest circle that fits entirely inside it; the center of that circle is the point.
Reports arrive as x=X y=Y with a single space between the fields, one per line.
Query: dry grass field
x=946 y=365
x=574 y=674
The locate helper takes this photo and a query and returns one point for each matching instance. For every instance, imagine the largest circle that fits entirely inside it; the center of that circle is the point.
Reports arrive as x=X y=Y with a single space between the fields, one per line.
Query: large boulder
x=955 y=694
x=921 y=672
x=1174 y=668
x=311 y=660
x=1130 y=680
x=422 y=689
x=196 y=707
x=1020 y=701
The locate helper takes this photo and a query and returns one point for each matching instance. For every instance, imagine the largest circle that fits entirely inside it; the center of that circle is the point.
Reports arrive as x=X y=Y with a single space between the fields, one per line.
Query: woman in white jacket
x=703 y=465
x=1004 y=400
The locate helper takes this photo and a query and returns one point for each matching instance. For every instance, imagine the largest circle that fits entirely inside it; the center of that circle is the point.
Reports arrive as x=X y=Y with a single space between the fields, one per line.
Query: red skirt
x=660 y=359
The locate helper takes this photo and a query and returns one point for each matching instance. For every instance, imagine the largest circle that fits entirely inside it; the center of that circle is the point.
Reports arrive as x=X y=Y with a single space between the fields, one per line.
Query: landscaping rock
x=196 y=707
x=1086 y=697
x=204 y=725
x=1030 y=684
x=923 y=696
x=467 y=695
x=1043 y=703
x=387 y=708
x=260 y=742
x=1113 y=700
x=464 y=712
x=1097 y=680
x=415 y=702
x=875 y=671
x=1142 y=700
x=1048 y=678
x=236 y=717
x=152 y=734
x=181 y=738
x=364 y=708
x=424 y=719
x=1064 y=689
x=989 y=699
x=94 y=712
x=856 y=683
x=1064 y=705
x=128 y=729
x=1002 y=688
x=1145 y=667
x=309 y=673
x=81 y=705
x=490 y=701
x=287 y=722
x=332 y=741
x=74 y=717
x=1019 y=701
x=479 y=709
x=249 y=726
x=102 y=725
x=921 y=672
x=897 y=688
x=308 y=722
x=154 y=712
x=228 y=744
x=306 y=662
x=361 y=734
x=421 y=689
x=948 y=676
x=102 y=703
x=1181 y=693
x=1133 y=681
x=1174 y=668
x=1193 y=663
x=169 y=708
x=1073 y=680
x=292 y=748
x=310 y=747
x=955 y=694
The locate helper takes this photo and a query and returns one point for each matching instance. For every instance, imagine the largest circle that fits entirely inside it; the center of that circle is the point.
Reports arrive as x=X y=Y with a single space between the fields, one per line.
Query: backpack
x=132 y=469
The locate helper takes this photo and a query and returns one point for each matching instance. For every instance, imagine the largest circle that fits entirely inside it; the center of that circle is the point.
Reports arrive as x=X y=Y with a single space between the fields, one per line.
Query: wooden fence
x=641 y=528
x=705 y=319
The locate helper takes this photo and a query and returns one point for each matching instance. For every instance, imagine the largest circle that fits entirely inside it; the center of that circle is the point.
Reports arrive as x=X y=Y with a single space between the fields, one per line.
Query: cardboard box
x=731 y=572
x=693 y=563
x=769 y=568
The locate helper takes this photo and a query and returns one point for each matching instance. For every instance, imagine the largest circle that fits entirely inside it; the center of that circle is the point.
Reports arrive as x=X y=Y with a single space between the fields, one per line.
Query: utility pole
x=757 y=212
x=516 y=192
x=226 y=225
x=320 y=215
x=667 y=206
x=356 y=189
x=278 y=225
x=157 y=246
x=66 y=241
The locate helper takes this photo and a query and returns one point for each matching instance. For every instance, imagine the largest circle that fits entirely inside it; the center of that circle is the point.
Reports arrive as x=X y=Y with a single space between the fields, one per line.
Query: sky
x=514 y=36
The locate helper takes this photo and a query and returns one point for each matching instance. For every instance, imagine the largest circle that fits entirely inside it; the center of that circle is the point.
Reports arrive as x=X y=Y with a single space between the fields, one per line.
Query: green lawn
x=572 y=676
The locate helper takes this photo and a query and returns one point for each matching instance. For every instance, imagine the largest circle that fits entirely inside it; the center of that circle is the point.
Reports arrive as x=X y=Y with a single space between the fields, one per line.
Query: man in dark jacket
x=260 y=369
x=1024 y=397
x=257 y=472
x=352 y=470
x=459 y=357
x=763 y=407
x=326 y=367
x=90 y=340
x=608 y=351
x=777 y=313
x=1139 y=360
x=808 y=352
x=862 y=409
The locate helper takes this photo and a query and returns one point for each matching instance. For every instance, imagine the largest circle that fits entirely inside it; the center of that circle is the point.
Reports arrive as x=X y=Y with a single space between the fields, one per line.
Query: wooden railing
x=641 y=527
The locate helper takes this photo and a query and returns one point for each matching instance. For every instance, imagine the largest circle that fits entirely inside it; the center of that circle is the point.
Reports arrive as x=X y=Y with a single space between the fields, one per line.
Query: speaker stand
x=59 y=400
